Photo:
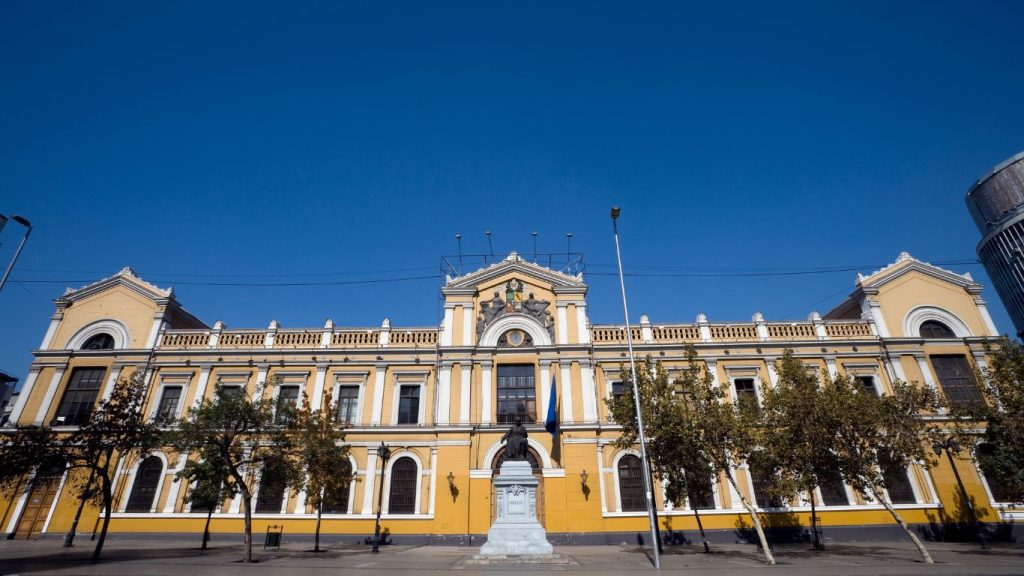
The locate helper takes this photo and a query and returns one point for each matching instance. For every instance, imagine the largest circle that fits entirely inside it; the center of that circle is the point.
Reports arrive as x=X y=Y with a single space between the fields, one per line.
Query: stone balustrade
x=736 y=332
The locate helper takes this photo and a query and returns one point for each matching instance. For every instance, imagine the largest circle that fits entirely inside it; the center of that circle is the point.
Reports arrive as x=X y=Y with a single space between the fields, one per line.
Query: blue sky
x=253 y=142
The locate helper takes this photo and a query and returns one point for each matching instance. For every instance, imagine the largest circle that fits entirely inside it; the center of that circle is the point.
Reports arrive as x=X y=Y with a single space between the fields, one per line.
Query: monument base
x=516 y=531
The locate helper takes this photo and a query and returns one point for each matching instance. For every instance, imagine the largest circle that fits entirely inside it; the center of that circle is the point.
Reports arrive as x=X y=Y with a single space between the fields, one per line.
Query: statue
x=516 y=441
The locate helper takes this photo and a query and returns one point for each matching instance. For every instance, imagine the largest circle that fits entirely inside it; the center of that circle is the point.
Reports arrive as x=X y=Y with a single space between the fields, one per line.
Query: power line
x=258 y=284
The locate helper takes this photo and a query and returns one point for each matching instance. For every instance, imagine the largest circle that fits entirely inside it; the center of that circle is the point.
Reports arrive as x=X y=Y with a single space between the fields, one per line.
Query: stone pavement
x=179 y=557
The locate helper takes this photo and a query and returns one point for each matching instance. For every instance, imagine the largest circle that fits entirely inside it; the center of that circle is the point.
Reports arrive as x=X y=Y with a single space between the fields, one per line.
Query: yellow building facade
x=441 y=398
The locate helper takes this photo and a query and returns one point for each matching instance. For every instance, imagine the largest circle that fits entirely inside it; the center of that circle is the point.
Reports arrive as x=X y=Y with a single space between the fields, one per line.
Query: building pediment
x=126 y=278
x=906 y=264
x=515 y=264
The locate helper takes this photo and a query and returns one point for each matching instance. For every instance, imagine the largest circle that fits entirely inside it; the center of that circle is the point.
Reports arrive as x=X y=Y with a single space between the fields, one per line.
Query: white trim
x=123 y=505
x=111 y=383
x=51 y=331
x=563 y=323
x=433 y=481
x=566 y=388
x=545 y=390
x=489 y=338
x=378 y=395
x=118 y=331
x=615 y=473
x=447 y=326
x=56 y=498
x=51 y=391
x=444 y=395
x=581 y=323
x=467 y=324
x=204 y=379
x=921 y=314
x=26 y=391
x=496 y=447
x=370 y=482
x=600 y=478
x=589 y=392
x=342 y=380
x=12 y=524
x=396 y=396
x=170 y=380
x=486 y=389
x=387 y=481
x=466 y=371
x=172 y=494
x=318 y=388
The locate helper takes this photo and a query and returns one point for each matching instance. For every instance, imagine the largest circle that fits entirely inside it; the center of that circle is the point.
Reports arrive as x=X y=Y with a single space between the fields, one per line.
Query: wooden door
x=37 y=507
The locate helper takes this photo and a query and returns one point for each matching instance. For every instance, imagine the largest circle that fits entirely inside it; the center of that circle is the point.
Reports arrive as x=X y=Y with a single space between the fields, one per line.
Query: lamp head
x=21 y=220
x=615 y=212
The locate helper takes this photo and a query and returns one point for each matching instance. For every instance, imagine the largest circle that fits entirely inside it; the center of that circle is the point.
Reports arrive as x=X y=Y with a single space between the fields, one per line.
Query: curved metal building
x=996 y=202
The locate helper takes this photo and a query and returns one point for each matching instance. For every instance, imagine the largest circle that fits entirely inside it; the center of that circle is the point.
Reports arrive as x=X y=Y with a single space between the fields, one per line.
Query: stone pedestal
x=516 y=530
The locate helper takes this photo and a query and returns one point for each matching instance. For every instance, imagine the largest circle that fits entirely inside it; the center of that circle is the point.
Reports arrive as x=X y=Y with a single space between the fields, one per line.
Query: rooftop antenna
x=534 y=247
x=568 y=249
x=458 y=240
x=489 y=246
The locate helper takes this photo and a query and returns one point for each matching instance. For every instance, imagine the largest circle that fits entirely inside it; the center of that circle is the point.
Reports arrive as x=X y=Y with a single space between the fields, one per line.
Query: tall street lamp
x=636 y=400
x=28 y=230
x=384 y=453
x=949 y=447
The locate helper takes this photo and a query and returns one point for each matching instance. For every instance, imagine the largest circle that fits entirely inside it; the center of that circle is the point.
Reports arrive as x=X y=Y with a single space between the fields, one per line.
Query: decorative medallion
x=514 y=303
x=515 y=338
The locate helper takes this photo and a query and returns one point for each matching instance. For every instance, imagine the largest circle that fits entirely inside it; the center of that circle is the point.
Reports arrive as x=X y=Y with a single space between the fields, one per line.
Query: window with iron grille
x=617 y=390
x=631 y=484
x=517 y=394
x=167 y=411
x=287 y=401
x=402 y=493
x=897 y=484
x=867 y=384
x=202 y=504
x=99 y=342
x=229 y=390
x=833 y=491
x=759 y=477
x=409 y=404
x=147 y=478
x=933 y=329
x=80 y=396
x=348 y=401
x=272 y=487
x=336 y=498
x=956 y=379
x=999 y=490
x=702 y=495
x=746 y=392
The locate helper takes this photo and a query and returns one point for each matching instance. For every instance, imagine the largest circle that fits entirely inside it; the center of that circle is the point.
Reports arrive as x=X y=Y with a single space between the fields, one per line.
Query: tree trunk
x=108 y=502
x=206 y=529
x=906 y=528
x=316 y=538
x=247 y=504
x=814 y=525
x=700 y=526
x=753 y=516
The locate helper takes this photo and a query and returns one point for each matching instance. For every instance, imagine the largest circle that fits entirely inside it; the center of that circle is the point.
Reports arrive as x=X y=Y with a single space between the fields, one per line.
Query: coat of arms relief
x=514 y=303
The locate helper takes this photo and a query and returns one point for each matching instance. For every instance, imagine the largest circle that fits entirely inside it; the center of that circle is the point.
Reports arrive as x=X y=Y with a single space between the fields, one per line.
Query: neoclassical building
x=442 y=396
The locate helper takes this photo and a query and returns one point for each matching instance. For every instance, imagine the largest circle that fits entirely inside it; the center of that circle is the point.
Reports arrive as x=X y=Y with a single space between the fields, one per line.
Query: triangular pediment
x=126 y=278
x=906 y=264
x=513 y=263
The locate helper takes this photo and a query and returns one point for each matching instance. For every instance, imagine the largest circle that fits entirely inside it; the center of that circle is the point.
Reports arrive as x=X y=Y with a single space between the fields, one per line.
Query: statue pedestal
x=516 y=530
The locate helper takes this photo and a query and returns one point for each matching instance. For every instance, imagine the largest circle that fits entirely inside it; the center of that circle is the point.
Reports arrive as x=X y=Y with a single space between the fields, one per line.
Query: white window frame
x=856 y=370
x=409 y=379
x=297 y=379
x=358 y=379
x=169 y=381
x=351 y=490
x=131 y=484
x=615 y=479
x=734 y=373
x=229 y=379
x=420 y=472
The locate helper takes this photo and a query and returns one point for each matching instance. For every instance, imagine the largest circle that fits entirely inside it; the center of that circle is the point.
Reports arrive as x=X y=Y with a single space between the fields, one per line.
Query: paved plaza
x=178 y=557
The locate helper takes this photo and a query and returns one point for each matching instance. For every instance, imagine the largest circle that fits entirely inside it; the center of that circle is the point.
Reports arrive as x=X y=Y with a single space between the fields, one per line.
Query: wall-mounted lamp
x=452 y=487
x=583 y=484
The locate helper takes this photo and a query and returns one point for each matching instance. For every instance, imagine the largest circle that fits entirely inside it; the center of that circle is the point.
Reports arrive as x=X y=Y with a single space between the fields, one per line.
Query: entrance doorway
x=534 y=460
x=40 y=498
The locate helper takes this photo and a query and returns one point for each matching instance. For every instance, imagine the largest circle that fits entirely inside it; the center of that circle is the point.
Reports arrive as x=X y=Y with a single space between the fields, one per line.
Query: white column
x=433 y=481
x=545 y=389
x=13 y=524
x=830 y=363
x=874 y=310
x=154 y=330
x=926 y=371
x=467 y=374
x=26 y=391
x=172 y=495
x=589 y=392
x=51 y=391
x=370 y=483
x=567 y=415
x=108 y=387
x=986 y=317
x=467 y=324
x=897 y=367
x=600 y=479
x=261 y=381
x=236 y=504
x=378 y=395
x=300 y=502
x=712 y=366
x=734 y=496
x=204 y=378
x=581 y=323
x=51 y=331
x=444 y=394
x=485 y=393
x=318 y=388
x=447 y=326
x=563 y=323
x=773 y=374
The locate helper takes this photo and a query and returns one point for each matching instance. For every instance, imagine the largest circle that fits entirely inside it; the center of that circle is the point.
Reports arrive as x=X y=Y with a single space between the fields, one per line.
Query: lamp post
x=28 y=230
x=949 y=447
x=383 y=452
x=636 y=400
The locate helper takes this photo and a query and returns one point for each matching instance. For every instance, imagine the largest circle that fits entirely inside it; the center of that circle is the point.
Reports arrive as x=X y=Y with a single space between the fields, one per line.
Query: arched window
x=531 y=457
x=147 y=478
x=101 y=341
x=631 y=484
x=272 y=487
x=934 y=329
x=402 y=493
x=336 y=496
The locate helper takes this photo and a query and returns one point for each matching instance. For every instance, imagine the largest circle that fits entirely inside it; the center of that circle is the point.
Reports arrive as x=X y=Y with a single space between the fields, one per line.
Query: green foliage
x=1001 y=455
x=319 y=438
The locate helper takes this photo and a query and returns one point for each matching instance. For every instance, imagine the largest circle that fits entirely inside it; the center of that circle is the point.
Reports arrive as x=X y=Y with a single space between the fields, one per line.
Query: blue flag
x=551 y=424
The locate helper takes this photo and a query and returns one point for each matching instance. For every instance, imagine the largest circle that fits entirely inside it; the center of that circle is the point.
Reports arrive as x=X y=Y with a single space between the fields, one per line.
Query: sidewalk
x=136 y=557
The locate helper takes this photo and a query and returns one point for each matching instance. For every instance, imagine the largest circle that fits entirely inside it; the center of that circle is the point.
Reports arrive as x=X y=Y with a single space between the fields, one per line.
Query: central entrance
x=535 y=467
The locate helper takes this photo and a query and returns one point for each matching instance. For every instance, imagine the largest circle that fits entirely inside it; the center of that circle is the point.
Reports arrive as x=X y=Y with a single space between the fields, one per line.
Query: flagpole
x=636 y=400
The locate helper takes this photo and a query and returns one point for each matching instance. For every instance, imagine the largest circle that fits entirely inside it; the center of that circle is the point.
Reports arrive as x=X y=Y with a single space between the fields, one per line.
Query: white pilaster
x=485 y=393
x=51 y=331
x=370 y=483
x=447 y=327
x=444 y=394
x=108 y=387
x=545 y=390
x=773 y=374
x=589 y=392
x=467 y=379
x=986 y=317
x=830 y=363
x=874 y=310
x=897 y=368
x=581 y=323
x=26 y=391
x=433 y=481
x=600 y=479
x=563 y=323
x=300 y=502
x=154 y=329
x=261 y=382
x=172 y=494
x=204 y=378
x=378 y=394
x=51 y=391
x=926 y=372
x=467 y=325
x=318 y=388
x=567 y=415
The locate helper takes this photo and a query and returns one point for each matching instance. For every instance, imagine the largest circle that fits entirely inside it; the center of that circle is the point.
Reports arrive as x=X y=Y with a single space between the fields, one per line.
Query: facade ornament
x=516 y=441
x=514 y=303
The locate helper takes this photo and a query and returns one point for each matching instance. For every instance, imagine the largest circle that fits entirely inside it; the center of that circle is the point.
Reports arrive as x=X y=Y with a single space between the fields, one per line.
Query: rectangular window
x=897 y=484
x=957 y=380
x=287 y=401
x=348 y=401
x=759 y=478
x=866 y=384
x=517 y=394
x=229 y=390
x=409 y=404
x=80 y=396
x=746 y=392
x=167 y=411
x=616 y=390
x=833 y=492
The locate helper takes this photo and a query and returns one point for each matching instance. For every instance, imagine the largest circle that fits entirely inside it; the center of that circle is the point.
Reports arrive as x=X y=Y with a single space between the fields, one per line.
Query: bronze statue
x=516 y=441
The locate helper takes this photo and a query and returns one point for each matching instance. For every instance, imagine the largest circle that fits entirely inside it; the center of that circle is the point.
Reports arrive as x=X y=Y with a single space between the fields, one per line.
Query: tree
x=1001 y=454
x=242 y=435
x=212 y=479
x=693 y=433
x=319 y=438
x=798 y=434
x=117 y=429
x=876 y=435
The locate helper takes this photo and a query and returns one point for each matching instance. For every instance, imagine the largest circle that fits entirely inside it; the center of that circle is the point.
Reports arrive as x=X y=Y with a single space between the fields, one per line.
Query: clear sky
x=303 y=142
